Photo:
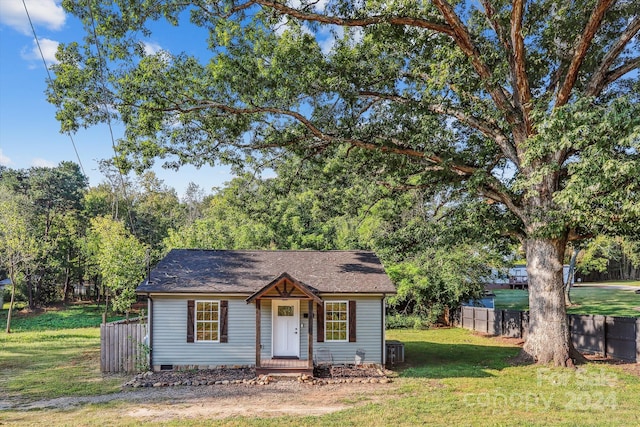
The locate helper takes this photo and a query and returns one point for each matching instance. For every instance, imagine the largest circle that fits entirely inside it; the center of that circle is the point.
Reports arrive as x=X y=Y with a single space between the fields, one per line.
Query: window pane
x=285 y=310
x=336 y=321
x=207 y=320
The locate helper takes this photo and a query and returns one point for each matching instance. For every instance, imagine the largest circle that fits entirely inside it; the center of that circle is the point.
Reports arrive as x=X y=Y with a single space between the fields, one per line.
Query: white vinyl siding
x=369 y=332
x=170 y=347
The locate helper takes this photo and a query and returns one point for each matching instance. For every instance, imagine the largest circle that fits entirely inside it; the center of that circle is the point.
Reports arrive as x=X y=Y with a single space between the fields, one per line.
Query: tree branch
x=494 y=193
x=582 y=46
x=355 y=22
x=454 y=28
x=487 y=128
x=490 y=13
x=399 y=149
x=625 y=68
x=519 y=71
x=599 y=79
x=515 y=58
x=463 y=39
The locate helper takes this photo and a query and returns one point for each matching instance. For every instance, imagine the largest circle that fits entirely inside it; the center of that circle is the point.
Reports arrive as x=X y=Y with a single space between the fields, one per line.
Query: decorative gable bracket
x=284 y=286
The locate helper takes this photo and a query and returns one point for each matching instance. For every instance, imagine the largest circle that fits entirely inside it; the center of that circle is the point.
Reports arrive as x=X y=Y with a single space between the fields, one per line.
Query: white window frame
x=326 y=330
x=195 y=321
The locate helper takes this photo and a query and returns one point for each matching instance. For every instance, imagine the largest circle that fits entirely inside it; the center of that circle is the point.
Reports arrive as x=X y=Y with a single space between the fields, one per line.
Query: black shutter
x=352 y=321
x=320 y=322
x=191 y=306
x=224 y=310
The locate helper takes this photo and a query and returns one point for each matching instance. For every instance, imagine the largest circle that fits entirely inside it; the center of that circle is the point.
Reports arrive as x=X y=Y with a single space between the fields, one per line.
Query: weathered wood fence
x=122 y=346
x=615 y=337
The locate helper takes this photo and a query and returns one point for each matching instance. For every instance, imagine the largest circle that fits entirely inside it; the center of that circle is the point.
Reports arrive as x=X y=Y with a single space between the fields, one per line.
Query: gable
x=285 y=286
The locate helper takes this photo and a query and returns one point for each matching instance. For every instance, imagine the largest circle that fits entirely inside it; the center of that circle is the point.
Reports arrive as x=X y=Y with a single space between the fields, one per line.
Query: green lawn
x=587 y=300
x=451 y=377
x=614 y=283
x=56 y=318
x=52 y=354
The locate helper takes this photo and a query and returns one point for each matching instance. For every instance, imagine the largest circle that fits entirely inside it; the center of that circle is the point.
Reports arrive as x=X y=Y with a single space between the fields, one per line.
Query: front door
x=286 y=328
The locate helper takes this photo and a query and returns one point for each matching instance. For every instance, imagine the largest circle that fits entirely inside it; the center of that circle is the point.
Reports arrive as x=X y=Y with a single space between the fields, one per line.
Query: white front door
x=286 y=328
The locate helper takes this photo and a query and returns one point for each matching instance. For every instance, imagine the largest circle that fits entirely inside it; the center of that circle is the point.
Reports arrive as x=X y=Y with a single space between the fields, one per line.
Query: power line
x=108 y=115
x=50 y=80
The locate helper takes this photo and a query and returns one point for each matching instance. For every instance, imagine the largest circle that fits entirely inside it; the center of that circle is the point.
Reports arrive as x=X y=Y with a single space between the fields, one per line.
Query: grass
x=617 y=283
x=53 y=353
x=451 y=377
x=56 y=318
x=49 y=364
x=587 y=300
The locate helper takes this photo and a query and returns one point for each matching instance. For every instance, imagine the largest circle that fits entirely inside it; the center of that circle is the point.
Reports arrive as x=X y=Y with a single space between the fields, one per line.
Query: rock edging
x=244 y=377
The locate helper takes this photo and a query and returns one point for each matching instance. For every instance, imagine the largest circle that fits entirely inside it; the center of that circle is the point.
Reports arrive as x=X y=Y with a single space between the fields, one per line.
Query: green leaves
x=120 y=259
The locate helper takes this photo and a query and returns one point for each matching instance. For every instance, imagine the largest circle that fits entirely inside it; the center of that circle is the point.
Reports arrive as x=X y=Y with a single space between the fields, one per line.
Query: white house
x=275 y=310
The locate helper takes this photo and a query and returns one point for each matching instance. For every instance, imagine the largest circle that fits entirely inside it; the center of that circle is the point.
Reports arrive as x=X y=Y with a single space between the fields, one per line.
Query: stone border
x=146 y=380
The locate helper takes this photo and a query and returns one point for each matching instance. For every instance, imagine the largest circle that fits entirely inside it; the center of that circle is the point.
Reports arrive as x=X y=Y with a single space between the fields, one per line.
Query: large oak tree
x=530 y=105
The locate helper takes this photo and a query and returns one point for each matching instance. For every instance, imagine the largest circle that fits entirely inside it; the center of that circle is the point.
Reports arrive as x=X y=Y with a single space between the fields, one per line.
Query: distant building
x=516 y=278
x=487 y=301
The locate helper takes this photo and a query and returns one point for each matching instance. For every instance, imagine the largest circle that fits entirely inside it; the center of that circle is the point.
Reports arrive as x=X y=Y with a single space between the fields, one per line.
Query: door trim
x=296 y=313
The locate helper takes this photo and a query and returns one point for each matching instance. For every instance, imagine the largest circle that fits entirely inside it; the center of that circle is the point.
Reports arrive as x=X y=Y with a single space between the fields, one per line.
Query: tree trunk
x=32 y=303
x=106 y=308
x=13 y=297
x=570 y=276
x=67 y=280
x=549 y=338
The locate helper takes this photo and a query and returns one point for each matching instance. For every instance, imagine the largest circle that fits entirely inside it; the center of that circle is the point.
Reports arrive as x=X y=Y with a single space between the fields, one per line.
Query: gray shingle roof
x=217 y=271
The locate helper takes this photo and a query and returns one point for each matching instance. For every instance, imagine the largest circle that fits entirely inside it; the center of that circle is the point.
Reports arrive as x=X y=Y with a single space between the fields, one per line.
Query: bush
x=407 y=321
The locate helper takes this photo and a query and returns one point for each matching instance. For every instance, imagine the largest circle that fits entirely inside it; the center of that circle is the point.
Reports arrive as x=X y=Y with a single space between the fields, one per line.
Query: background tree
x=155 y=208
x=438 y=254
x=193 y=200
x=55 y=198
x=609 y=258
x=532 y=105
x=19 y=246
x=120 y=258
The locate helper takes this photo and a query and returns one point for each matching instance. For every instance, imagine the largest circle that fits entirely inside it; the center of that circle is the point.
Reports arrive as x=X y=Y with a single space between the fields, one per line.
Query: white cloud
x=318 y=5
x=327 y=37
x=151 y=48
x=42 y=163
x=4 y=160
x=356 y=35
x=49 y=49
x=48 y=13
x=286 y=23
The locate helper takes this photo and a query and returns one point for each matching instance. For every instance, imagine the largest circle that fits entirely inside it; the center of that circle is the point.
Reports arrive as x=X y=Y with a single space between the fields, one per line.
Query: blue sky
x=29 y=132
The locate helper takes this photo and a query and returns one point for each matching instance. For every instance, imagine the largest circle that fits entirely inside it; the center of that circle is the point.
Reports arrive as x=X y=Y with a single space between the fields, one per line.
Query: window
x=207 y=320
x=336 y=321
x=285 y=310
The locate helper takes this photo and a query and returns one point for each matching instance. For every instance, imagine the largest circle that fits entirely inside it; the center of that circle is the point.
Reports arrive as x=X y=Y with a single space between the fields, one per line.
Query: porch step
x=283 y=371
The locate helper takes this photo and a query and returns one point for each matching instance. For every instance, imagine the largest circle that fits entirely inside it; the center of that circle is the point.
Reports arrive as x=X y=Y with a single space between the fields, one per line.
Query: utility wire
x=49 y=79
x=108 y=115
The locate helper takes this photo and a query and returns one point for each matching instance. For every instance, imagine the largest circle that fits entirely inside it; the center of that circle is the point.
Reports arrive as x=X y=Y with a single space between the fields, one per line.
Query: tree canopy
x=531 y=106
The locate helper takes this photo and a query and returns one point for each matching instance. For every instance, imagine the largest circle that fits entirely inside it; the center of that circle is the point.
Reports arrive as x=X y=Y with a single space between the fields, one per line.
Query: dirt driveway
x=284 y=397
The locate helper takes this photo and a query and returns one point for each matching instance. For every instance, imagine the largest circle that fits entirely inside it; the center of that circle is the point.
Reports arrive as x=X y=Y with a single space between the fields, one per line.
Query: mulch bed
x=247 y=376
x=192 y=377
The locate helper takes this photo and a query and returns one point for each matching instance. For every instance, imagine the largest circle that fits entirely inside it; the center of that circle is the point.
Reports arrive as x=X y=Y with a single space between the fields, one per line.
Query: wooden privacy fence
x=122 y=346
x=616 y=337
